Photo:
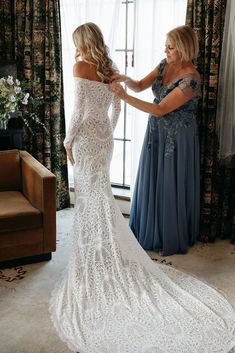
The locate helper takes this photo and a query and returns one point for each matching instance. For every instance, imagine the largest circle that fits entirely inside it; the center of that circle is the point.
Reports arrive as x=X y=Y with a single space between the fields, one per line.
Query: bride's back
x=85 y=70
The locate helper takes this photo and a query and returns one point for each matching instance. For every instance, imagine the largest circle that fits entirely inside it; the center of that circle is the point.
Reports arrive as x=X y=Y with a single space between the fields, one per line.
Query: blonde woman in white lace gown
x=113 y=298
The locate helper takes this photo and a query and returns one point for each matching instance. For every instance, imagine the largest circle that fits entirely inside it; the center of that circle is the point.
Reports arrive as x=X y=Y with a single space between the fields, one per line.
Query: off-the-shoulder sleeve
x=116 y=108
x=190 y=85
x=78 y=112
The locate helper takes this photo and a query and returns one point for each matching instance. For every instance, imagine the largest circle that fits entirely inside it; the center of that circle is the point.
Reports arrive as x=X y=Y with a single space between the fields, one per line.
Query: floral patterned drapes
x=217 y=181
x=30 y=35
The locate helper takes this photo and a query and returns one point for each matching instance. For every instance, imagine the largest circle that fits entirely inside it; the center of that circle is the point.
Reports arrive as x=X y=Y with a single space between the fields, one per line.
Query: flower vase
x=4 y=121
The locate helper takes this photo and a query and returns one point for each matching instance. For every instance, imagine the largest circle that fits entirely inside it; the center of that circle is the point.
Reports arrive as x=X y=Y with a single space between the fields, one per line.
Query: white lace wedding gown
x=113 y=298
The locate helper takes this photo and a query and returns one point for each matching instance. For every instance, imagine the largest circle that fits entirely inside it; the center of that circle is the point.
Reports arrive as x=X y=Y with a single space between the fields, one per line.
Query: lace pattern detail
x=190 y=84
x=82 y=110
x=181 y=118
x=113 y=298
x=171 y=125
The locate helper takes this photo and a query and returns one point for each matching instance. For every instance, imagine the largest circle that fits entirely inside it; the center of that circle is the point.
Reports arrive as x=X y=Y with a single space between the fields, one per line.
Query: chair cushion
x=10 y=175
x=17 y=213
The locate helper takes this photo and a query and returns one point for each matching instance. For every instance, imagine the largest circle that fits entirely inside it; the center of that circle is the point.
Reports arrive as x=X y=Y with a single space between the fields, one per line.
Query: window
x=123 y=57
x=130 y=28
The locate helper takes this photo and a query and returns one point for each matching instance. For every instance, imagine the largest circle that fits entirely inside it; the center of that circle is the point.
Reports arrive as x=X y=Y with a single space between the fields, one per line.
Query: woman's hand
x=70 y=155
x=118 y=90
x=118 y=78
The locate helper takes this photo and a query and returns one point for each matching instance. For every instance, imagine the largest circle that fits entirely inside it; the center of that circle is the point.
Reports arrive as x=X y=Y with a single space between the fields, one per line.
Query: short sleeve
x=190 y=85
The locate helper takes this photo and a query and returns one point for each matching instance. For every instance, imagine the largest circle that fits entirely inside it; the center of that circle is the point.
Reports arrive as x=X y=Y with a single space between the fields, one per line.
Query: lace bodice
x=113 y=298
x=189 y=83
x=92 y=99
x=181 y=118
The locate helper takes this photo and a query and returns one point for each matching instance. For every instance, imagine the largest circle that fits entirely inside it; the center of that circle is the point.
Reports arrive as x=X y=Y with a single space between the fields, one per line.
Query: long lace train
x=113 y=298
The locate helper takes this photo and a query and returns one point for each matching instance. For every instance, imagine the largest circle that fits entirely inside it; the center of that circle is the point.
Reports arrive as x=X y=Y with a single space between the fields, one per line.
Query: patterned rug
x=25 y=324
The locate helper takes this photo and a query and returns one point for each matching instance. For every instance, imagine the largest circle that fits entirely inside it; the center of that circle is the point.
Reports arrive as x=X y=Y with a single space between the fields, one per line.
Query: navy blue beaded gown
x=166 y=201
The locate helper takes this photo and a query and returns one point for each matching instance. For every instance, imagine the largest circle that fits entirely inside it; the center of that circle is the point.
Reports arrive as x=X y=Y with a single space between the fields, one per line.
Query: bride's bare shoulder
x=86 y=70
x=81 y=69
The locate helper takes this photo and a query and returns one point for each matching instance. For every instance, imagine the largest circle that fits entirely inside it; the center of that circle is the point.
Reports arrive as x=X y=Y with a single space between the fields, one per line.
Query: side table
x=10 y=139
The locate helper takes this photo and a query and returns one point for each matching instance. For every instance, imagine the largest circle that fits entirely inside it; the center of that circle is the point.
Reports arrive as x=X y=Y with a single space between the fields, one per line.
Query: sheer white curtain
x=154 y=18
x=225 y=118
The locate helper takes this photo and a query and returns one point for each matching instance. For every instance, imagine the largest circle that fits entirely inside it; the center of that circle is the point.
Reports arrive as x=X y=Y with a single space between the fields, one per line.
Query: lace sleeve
x=190 y=85
x=78 y=113
x=116 y=108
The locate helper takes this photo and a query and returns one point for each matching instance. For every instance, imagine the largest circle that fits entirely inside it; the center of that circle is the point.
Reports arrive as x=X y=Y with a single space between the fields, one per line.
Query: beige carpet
x=25 y=325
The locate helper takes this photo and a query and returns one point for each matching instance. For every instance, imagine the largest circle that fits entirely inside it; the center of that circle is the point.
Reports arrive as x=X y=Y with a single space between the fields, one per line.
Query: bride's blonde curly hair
x=89 y=42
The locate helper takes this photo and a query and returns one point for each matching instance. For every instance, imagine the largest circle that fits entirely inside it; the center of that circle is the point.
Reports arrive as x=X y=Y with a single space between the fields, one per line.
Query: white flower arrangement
x=14 y=99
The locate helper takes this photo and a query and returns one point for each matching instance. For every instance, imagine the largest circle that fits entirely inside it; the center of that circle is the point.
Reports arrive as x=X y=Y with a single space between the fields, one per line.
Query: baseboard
x=25 y=260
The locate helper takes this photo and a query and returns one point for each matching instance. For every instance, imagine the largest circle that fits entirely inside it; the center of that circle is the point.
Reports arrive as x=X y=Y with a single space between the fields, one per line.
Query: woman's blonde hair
x=185 y=41
x=89 y=41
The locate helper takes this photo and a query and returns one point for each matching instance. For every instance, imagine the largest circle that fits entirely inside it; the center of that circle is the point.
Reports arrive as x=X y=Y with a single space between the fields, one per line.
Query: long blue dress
x=166 y=201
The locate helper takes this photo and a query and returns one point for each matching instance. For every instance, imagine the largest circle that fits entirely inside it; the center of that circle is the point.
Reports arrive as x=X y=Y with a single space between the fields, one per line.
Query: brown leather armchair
x=27 y=209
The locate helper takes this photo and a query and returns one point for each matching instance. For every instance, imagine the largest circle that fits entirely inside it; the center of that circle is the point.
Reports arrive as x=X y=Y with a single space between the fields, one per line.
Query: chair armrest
x=39 y=187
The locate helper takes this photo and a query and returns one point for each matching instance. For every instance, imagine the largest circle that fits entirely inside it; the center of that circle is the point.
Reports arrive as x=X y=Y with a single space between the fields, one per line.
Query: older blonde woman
x=165 y=206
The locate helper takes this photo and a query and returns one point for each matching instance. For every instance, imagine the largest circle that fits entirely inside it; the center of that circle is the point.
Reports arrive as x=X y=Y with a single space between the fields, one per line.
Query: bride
x=113 y=298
